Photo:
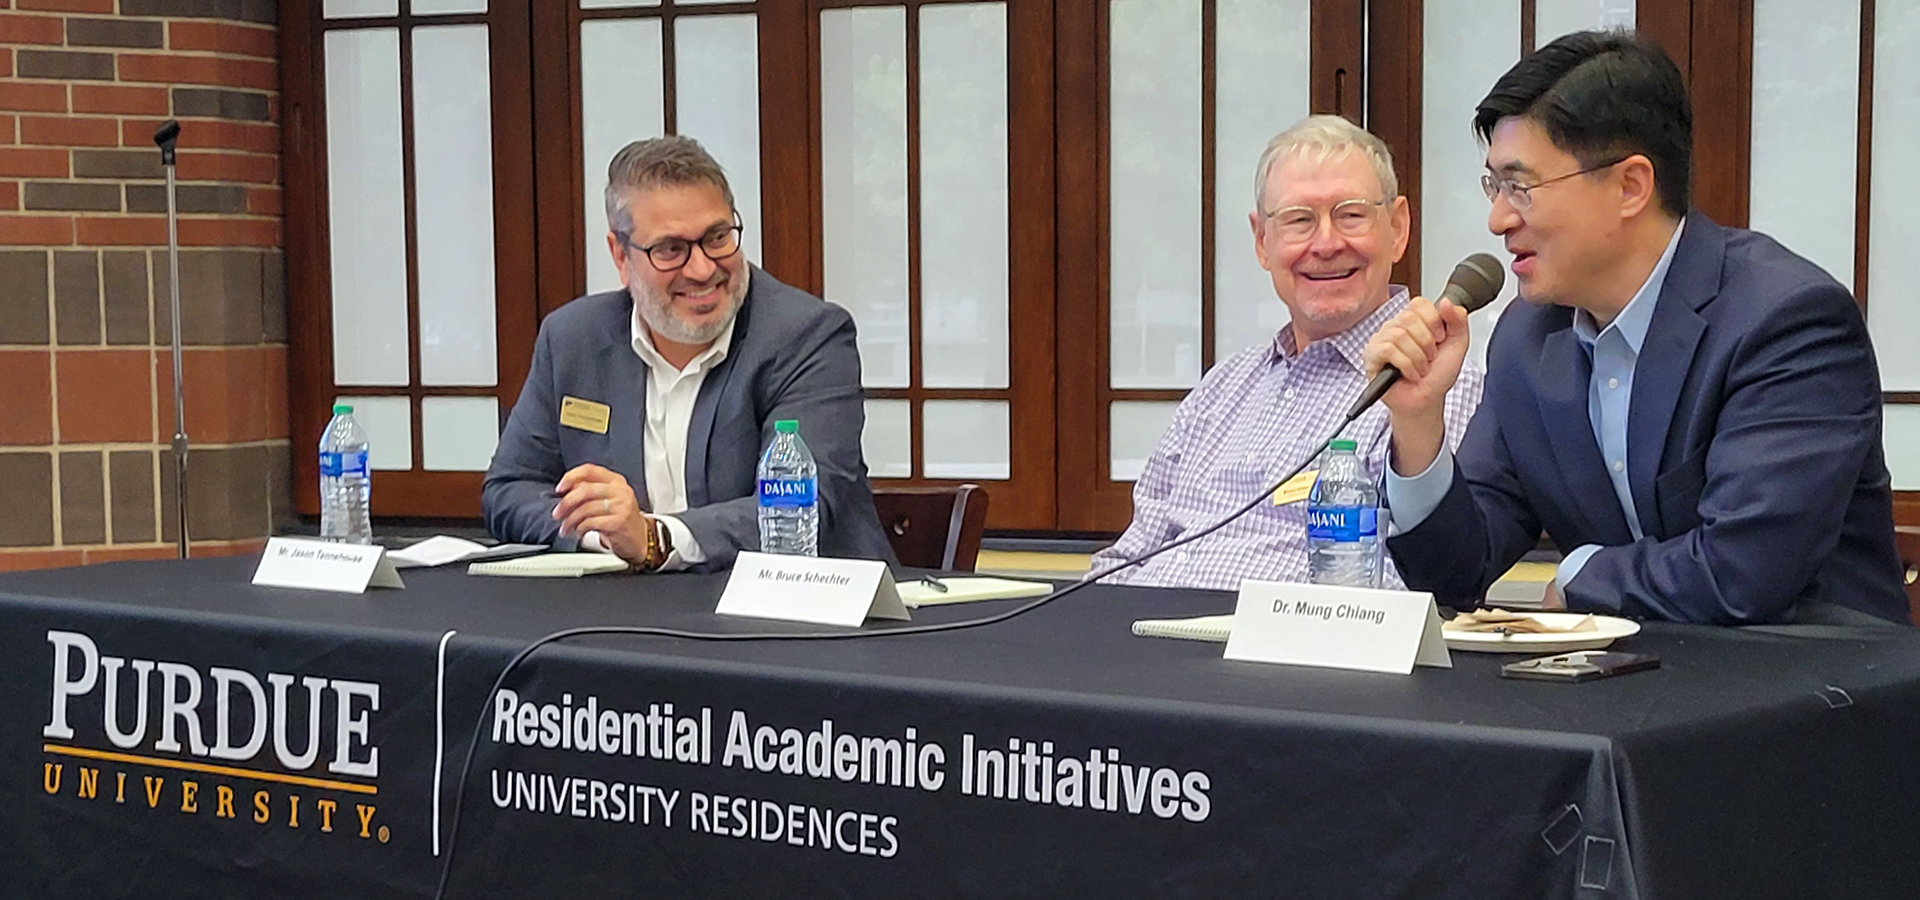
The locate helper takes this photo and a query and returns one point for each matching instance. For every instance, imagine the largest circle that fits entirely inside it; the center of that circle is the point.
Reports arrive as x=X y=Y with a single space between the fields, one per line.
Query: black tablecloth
x=1750 y=765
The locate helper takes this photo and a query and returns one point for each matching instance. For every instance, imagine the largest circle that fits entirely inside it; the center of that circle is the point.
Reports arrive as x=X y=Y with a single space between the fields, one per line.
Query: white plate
x=1610 y=630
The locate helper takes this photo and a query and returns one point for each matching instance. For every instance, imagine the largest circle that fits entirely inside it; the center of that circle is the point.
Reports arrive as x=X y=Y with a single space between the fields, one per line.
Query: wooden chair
x=934 y=527
x=1906 y=542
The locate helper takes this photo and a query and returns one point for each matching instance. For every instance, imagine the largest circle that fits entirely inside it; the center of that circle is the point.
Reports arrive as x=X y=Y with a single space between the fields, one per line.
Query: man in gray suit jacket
x=640 y=427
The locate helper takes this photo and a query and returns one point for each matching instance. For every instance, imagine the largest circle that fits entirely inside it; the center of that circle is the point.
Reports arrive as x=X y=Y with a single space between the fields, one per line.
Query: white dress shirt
x=670 y=396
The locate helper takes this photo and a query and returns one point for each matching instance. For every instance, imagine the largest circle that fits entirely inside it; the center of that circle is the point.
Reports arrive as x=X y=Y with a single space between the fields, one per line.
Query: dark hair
x=674 y=161
x=1601 y=95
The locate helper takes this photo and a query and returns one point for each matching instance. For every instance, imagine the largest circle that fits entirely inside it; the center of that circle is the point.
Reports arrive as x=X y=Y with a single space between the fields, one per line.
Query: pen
x=934 y=583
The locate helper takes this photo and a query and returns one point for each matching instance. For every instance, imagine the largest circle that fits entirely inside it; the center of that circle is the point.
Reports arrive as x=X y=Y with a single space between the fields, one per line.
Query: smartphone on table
x=1580 y=665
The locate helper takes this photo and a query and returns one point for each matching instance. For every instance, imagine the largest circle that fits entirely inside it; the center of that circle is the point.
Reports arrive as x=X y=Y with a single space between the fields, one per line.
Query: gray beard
x=656 y=309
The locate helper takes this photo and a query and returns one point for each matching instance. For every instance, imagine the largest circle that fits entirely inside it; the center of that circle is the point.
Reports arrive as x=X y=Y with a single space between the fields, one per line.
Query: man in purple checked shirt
x=1328 y=225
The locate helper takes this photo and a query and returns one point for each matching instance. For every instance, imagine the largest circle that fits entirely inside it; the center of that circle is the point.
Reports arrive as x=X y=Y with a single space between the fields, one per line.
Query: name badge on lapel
x=585 y=415
x=1296 y=489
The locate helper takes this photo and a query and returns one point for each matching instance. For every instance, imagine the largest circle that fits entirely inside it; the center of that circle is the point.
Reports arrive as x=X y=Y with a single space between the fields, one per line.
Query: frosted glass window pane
x=1133 y=430
x=1805 y=128
x=458 y=434
x=717 y=75
x=442 y=7
x=1553 y=18
x=622 y=100
x=1260 y=87
x=863 y=180
x=616 y=4
x=359 y=9
x=453 y=204
x=963 y=196
x=1894 y=231
x=388 y=422
x=1469 y=45
x=966 y=439
x=1901 y=428
x=887 y=442
x=1154 y=194
x=366 y=209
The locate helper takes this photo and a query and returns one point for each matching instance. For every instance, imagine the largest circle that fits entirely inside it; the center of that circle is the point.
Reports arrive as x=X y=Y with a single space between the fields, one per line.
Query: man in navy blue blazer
x=640 y=427
x=1691 y=412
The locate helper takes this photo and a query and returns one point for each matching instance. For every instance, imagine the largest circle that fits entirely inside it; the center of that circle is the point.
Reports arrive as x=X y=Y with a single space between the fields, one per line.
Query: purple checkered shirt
x=1251 y=420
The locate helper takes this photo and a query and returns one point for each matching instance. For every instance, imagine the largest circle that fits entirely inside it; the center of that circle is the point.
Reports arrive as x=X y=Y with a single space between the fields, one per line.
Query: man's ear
x=1400 y=218
x=1258 y=224
x=618 y=249
x=1638 y=189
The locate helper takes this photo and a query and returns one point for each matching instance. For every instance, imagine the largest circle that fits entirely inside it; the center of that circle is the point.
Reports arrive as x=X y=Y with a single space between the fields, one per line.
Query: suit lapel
x=626 y=386
x=1674 y=332
x=700 y=431
x=706 y=404
x=1564 y=374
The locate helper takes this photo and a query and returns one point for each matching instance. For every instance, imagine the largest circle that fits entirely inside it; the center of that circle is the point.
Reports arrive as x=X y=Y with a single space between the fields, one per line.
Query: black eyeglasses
x=1520 y=196
x=672 y=253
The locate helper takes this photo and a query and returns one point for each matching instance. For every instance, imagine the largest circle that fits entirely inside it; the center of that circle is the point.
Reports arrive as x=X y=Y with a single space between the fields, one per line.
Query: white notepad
x=440 y=550
x=967 y=589
x=1199 y=628
x=552 y=565
x=434 y=551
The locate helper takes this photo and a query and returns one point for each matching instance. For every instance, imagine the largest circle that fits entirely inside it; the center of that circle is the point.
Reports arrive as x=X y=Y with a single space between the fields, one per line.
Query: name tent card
x=1337 y=627
x=325 y=566
x=843 y=592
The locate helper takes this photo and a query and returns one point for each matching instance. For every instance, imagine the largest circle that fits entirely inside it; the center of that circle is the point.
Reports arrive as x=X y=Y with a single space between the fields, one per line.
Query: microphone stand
x=166 y=136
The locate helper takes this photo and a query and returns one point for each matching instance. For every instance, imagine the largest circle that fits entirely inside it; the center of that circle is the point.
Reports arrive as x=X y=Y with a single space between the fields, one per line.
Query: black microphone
x=1473 y=284
x=165 y=135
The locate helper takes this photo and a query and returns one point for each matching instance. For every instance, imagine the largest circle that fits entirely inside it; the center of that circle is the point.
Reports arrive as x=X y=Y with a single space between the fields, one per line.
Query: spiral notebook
x=551 y=565
x=1199 y=628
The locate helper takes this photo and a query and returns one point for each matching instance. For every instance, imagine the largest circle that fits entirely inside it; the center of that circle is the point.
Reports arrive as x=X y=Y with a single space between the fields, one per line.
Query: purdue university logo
x=223 y=742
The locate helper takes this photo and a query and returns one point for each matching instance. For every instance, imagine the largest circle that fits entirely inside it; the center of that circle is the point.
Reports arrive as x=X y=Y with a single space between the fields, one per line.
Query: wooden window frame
x=416 y=492
x=1026 y=501
x=1090 y=500
x=1366 y=64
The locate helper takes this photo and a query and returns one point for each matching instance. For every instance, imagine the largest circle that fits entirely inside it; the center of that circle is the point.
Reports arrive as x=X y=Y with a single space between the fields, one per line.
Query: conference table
x=171 y=730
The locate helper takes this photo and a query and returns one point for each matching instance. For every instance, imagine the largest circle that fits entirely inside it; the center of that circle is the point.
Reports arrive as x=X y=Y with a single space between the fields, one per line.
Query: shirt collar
x=707 y=359
x=1351 y=344
x=1632 y=322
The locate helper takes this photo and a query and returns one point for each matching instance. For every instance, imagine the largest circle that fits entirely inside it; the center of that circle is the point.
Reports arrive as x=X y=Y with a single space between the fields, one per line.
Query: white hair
x=1316 y=139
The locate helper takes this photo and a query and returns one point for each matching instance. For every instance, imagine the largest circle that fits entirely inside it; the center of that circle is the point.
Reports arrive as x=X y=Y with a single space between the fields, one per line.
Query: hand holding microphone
x=1416 y=357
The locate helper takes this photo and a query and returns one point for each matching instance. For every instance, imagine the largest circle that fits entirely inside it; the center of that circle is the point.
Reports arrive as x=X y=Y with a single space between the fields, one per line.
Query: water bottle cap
x=342 y=409
x=787 y=426
x=1342 y=445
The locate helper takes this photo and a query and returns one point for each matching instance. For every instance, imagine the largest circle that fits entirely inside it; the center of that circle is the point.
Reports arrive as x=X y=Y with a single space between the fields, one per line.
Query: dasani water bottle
x=344 y=485
x=789 y=496
x=1343 y=514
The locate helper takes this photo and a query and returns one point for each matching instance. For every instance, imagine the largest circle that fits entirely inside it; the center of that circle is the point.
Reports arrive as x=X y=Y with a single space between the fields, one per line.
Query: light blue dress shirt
x=1613 y=351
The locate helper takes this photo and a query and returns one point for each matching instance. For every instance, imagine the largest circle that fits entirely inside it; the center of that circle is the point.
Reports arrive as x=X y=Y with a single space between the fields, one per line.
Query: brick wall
x=86 y=371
